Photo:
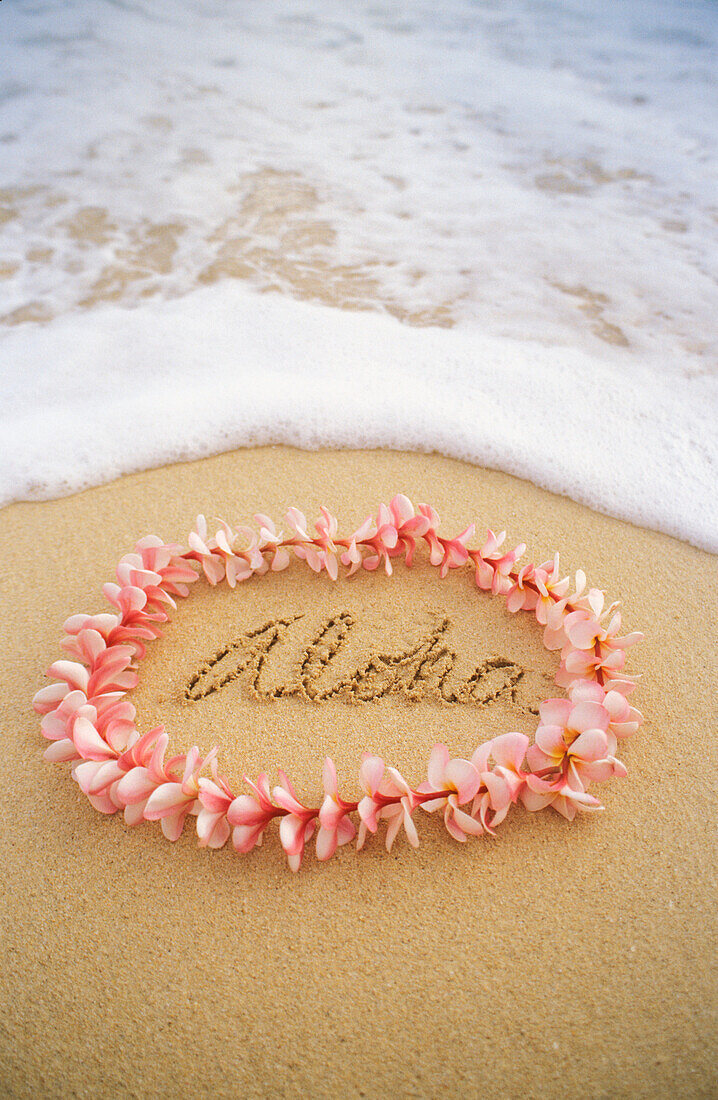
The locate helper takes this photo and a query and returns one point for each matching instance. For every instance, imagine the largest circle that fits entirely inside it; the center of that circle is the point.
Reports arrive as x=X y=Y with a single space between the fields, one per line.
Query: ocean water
x=484 y=228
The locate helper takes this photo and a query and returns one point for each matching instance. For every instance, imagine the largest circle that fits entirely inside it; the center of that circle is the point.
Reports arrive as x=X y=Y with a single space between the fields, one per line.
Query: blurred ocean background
x=485 y=228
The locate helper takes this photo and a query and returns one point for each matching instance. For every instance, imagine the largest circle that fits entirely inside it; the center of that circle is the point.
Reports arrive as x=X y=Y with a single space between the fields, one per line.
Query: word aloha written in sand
x=422 y=670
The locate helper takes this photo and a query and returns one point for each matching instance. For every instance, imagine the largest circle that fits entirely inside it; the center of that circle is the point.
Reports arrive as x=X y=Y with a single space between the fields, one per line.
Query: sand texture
x=556 y=960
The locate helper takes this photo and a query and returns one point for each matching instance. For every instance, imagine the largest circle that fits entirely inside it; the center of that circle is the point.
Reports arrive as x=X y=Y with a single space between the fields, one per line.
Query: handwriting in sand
x=420 y=671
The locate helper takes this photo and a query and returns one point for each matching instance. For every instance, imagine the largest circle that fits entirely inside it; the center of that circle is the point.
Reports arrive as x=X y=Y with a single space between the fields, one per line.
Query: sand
x=556 y=960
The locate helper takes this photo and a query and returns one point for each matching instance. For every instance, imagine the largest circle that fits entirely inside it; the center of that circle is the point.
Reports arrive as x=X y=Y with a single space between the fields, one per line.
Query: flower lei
x=90 y=722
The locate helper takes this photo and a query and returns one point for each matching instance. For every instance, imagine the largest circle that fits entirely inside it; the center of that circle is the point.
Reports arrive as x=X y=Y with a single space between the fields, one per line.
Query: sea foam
x=117 y=390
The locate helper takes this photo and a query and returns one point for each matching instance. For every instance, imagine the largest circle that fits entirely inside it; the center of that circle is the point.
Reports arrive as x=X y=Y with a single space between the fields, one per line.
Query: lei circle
x=90 y=722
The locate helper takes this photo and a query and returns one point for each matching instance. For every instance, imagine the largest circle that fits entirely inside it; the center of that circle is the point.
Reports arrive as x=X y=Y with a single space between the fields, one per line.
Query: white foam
x=126 y=389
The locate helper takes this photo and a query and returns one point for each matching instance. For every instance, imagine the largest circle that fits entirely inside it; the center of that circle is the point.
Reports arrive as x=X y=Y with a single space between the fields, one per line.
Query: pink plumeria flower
x=50 y=697
x=99 y=780
x=581 y=664
x=97 y=766
x=296 y=521
x=488 y=553
x=551 y=610
x=215 y=798
x=102 y=733
x=74 y=674
x=105 y=625
x=270 y=539
x=110 y=669
x=381 y=539
x=327 y=526
x=133 y=572
x=144 y=771
x=97 y=771
x=352 y=556
x=481 y=805
x=585 y=629
x=112 y=628
x=520 y=597
x=234 y=554
x=110 y=714
x=335 y=828
x=436 y=549
x=213 y=564
x=394 y=532
x=88 y=740
x=113 y=670
x=378 y=788
x=561 y=726
x=552 y=588
x=241 y=553
x=573 y=738
x=503 y=566
x=86 y=642
x=493 y=567
x=505 y=781
x=431 y=537
x=388 y=797
x=456 y=551
x=116 y=721
x=565 y=795
x=446 y=553
x=249 y=814
x=554 y=637
x=323 y=556
x=536 y=588
x=55 y=722
x=166 y=560
x=171 y=802
x=624 y=719
x=459 y=777
x=607 y=658
x=398 y=815
x=139 y=617
x=408 y=524
x=297 y=826
x=619 y=680
x=108 y=680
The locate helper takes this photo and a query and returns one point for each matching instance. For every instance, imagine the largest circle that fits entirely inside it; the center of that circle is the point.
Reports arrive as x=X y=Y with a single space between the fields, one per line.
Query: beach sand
x=555 y=960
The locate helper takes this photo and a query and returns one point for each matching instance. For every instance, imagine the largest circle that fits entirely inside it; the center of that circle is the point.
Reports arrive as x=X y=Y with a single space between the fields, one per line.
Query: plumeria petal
x=164 y=800
x=509 y=749
x=437 y=764
x=463 y=777
x=590 y=745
